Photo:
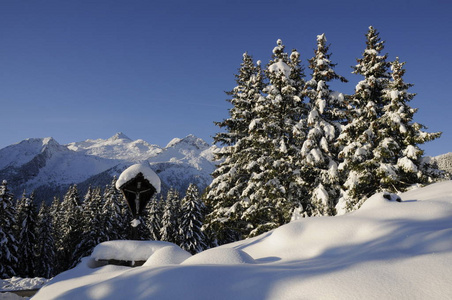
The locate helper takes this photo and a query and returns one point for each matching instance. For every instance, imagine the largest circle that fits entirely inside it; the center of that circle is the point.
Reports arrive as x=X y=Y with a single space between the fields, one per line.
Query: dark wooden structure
x=137 y=191
x=116 y=262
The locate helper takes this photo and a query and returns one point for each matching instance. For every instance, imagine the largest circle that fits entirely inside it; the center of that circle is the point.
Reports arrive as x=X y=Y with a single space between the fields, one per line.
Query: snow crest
x=127 y=250
x=134 y=170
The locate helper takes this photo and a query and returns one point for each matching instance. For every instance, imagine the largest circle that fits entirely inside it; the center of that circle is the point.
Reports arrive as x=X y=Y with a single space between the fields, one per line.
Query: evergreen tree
x=274 y=186
x=114 y=213
x=128 y=231
x=45 y=246
x=192 y=237
x=318 y=156
x=56 y=221
x=70 y=217
x=380 y=145
x=243 y=98
x=154 y=217
x=26 y=220
x=230 y=178
x=358 y=140
x=8 y=242
x=93 y=232
x=402 y=159
x=170 y=219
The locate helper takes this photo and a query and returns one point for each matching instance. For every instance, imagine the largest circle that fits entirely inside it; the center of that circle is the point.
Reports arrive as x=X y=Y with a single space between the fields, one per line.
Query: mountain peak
x=119 y=136
x=24 y=151
x=49 y=141
x=188 y=140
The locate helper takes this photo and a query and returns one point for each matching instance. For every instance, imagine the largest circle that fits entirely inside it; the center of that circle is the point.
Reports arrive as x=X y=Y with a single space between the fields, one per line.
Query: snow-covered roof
x=132 y=171
x=127 y=250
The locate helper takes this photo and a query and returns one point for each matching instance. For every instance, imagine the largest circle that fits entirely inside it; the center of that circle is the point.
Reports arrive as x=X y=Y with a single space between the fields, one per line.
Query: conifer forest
x=294 y=148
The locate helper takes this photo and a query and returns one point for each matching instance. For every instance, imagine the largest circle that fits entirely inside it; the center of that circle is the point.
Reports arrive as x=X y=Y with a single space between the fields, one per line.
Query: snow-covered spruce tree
x=360 y=167
x=56 y=219
x=70 y=220
x=154 y=218
x=8 y=242
x=402 y=160
x=317 y=159
x=26 y=235
x=243 y=98
x=114 y=213
x=170 y=220
x=230 y=178
x=192 y=216
x=274 y=186
x=93 y=232
x=45 y=243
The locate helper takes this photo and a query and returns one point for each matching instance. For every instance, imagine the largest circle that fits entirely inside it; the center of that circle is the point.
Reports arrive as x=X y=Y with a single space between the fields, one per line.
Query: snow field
x=169 y=255
x=385 y=250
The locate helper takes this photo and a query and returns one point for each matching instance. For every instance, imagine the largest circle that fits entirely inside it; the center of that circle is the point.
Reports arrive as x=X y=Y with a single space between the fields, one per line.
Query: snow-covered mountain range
x=48 y=168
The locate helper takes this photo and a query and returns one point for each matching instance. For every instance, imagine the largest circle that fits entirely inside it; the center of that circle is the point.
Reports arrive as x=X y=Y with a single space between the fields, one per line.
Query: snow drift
x=127 y=250
x=385 y=250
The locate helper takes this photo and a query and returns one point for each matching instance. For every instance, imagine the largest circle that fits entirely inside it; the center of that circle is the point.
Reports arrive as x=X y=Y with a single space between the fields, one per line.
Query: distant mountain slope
x=118 y=146
x=48 y=168
x=444 y=162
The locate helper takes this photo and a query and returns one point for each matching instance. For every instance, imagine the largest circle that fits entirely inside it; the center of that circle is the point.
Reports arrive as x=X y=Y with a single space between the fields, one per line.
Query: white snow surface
x=220 y=256
x=384 y=250
x=118 y=146
x=134 y=170
x=127 y=250
x=281 y=67
x=22 y=152
x=135 y=222
x=169 y=255
x=18 y=283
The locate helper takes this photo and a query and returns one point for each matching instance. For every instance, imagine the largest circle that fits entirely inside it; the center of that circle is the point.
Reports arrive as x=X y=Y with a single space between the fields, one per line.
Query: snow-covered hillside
x=385 y=250
x=49 y=168
x=444 y=161
x=118 y=146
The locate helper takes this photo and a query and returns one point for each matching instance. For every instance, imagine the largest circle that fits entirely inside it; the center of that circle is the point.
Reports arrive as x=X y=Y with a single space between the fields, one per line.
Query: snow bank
x=127 y=250
x=10 y=296
x=379 y=200
x=170 y=255
x=385 y=250
x=220 y=256
x=134 y=170
x=18 y=283
x=78 y=277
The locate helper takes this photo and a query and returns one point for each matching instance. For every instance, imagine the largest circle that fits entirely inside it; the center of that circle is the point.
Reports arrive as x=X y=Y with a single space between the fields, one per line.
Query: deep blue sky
x=156 y=70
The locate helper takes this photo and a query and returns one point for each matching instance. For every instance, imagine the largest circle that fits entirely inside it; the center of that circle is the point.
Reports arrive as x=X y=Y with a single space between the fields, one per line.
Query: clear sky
x=155 y=70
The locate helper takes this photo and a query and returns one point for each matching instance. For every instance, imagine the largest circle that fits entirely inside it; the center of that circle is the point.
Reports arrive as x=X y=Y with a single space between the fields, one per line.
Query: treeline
x=293 y=147
x=44 y=241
